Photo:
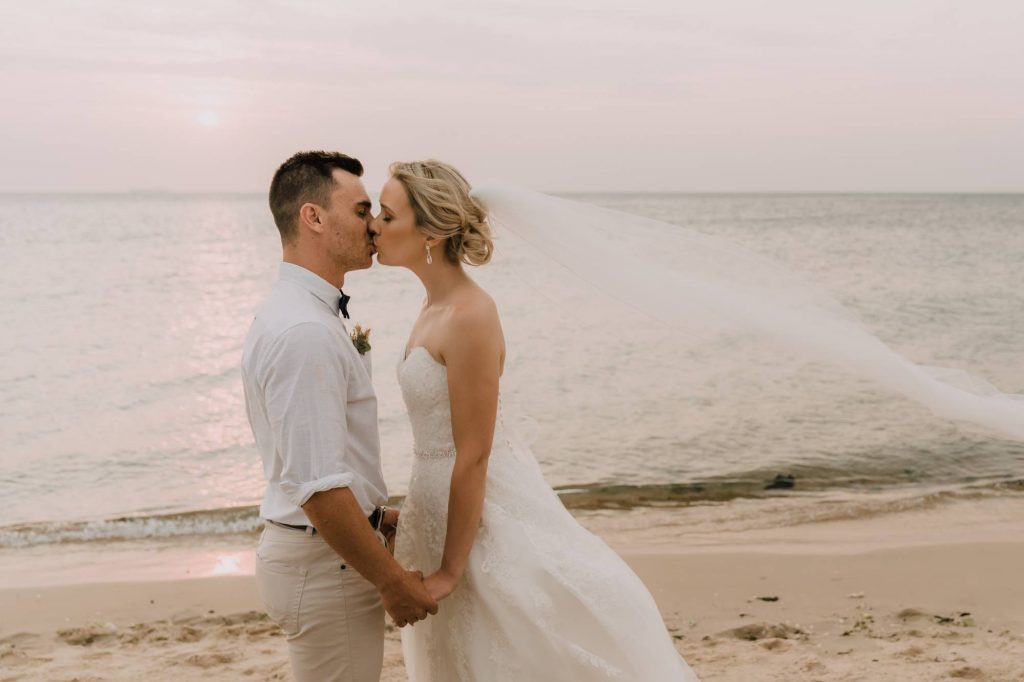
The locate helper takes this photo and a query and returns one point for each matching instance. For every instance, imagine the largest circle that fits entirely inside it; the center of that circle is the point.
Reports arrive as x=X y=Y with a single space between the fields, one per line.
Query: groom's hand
x=337 y=516
x=406 y=599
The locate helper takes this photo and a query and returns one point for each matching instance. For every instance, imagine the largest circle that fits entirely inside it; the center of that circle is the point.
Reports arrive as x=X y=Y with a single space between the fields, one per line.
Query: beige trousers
x=331 y=616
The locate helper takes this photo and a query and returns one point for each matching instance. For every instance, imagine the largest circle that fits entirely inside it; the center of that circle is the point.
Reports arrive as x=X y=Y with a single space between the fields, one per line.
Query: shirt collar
x=312 y=282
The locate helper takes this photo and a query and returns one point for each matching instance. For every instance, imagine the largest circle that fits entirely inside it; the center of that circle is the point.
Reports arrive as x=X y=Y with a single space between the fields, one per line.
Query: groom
x=323 y=569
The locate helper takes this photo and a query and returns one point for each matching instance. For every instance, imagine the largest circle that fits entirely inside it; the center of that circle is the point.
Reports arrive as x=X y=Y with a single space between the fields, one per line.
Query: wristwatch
x=377 y=517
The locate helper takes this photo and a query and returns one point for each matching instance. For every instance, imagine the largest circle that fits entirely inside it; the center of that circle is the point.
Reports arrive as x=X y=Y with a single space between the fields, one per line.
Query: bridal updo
x=440 y=200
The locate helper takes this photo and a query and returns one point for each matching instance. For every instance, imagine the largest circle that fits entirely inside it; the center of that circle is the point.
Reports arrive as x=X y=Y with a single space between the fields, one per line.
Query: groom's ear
x=309 y=217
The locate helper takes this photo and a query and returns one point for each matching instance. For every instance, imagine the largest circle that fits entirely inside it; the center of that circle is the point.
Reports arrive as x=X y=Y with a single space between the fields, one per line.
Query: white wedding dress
x=542 y=598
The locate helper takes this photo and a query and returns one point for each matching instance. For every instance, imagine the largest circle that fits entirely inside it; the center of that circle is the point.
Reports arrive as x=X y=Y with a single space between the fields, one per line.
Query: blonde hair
x=440 y=200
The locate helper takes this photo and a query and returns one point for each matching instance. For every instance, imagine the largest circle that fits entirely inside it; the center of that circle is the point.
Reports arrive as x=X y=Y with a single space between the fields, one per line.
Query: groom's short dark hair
x=306 y=177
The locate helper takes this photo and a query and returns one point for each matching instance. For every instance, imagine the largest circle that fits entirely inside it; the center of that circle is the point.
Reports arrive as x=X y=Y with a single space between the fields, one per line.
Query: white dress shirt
x=310 y=399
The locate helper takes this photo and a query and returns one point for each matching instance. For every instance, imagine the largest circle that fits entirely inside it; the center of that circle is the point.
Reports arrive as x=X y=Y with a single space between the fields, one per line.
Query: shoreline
x=787 y=525
x=802 y=505
x=596 y=495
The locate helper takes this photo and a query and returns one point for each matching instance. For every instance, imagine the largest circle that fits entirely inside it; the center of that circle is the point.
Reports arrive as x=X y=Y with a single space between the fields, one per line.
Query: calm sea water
x=124 y=318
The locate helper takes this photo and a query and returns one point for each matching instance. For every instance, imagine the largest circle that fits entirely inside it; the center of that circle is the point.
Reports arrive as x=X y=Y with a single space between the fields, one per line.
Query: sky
x=557 y=95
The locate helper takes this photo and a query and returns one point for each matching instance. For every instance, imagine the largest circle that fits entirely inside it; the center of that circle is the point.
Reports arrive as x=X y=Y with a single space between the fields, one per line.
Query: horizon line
x=162 y=192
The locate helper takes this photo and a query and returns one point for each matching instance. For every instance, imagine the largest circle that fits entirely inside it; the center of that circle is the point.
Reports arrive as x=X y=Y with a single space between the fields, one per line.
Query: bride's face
x=398 y=240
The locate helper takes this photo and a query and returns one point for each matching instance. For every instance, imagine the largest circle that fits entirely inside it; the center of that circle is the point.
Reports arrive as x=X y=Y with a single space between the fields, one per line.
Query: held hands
x=411 y=598
x=406 y=599
x=440 y=584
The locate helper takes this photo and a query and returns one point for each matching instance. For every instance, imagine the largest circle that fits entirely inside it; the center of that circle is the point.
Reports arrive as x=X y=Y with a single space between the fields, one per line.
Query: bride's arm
x=472 y=354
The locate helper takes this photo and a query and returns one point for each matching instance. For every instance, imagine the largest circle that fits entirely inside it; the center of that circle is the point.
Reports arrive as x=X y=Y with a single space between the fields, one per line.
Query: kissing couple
x=495 y=580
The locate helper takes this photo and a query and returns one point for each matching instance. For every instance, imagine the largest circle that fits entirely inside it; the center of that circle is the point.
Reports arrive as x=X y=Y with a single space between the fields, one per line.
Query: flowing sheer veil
x=675 y=283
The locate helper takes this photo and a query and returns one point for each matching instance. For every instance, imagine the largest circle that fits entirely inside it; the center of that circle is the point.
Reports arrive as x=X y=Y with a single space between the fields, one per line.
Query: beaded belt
x=435 y=453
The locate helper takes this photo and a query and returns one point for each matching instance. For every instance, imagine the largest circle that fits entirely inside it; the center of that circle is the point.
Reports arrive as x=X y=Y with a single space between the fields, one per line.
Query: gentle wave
x=811 y=505
x=231 y=521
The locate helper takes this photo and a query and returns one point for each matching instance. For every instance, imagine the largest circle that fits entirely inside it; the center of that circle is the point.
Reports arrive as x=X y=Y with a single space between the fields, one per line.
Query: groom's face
x=346 y=229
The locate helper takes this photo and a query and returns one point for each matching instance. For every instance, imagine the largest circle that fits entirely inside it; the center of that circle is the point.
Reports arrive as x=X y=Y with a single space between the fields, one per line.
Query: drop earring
x=429 y=259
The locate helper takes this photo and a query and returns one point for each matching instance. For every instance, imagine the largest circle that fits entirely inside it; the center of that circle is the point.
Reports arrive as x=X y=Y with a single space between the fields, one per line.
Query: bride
x=528 y=593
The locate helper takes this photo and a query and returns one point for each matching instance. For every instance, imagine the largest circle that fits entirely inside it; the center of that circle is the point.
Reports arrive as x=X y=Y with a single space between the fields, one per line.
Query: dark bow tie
x=343 y=304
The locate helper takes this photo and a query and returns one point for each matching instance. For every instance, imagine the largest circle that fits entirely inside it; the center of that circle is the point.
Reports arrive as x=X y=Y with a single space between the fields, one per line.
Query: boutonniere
x=361 y=339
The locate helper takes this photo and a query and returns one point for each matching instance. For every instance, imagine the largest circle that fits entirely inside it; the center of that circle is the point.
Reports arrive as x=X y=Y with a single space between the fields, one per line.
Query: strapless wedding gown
x=542 y=598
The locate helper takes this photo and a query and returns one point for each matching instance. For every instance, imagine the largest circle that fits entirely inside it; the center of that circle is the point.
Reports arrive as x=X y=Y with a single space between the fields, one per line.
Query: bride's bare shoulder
x=475 y=309
x=474 y=320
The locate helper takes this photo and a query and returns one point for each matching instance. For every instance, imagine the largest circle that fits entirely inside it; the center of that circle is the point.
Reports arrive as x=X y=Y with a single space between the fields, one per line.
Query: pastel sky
x=559 y=95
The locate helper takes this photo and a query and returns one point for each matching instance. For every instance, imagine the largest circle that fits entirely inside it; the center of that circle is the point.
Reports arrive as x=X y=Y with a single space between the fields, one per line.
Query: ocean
x=122 y=414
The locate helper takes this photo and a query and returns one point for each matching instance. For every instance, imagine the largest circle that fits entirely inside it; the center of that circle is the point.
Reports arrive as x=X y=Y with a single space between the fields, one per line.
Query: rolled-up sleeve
x=306 y=395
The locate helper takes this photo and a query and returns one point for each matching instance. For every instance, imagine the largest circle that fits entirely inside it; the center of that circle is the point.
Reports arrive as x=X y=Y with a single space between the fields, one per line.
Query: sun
x=208 y=119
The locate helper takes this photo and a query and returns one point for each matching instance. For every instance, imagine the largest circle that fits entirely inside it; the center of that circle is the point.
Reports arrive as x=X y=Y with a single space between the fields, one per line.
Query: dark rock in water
x=768 y=598
x=782 y=482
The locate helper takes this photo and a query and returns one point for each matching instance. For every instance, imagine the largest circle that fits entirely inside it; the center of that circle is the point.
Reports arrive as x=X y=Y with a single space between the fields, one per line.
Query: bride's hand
x=439 y=585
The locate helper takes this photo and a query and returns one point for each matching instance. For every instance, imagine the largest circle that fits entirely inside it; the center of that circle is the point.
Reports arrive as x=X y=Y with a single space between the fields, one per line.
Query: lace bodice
x=424 y=383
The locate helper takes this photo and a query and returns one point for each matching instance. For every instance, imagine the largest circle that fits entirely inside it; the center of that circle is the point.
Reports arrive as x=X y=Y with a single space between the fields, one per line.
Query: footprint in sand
x=211 y=659
x=10 y=656
x=87 y=636
x=913 y=614
x=812 y=665
x=19 y=639
x=756 y=631
x=189 y=634
x=911 y=652
x=773 y=644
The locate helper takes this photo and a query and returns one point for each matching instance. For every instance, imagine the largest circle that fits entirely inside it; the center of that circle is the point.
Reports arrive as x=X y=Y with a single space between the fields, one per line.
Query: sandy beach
x=837 y=610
